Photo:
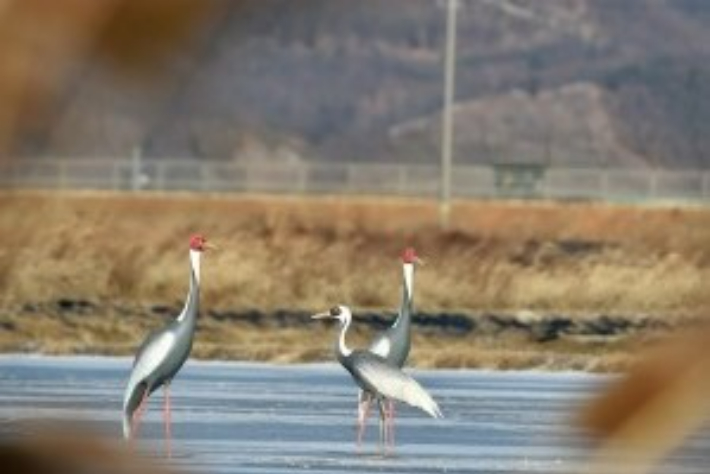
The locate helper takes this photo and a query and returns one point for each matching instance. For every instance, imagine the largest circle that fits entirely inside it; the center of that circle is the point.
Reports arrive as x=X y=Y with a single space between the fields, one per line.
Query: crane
x=163 y=352
x=394 y=343
x=377 y=378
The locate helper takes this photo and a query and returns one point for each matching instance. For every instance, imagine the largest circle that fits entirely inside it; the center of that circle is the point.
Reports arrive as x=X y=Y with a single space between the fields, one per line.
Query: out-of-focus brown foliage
x=43 y=41
x=64 y=449
x=140 y=33
x=651 y=410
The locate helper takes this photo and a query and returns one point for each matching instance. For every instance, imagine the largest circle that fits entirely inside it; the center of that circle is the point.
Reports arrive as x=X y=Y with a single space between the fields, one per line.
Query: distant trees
x=664 y=106
x=336 y=76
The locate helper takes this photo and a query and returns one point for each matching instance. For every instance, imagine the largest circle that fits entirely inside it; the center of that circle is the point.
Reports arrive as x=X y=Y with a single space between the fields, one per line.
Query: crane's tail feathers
x=422 y=400
x=412 y=393
x=393 y=383
x=134 y=395
x=127 y=425
x=433 y=410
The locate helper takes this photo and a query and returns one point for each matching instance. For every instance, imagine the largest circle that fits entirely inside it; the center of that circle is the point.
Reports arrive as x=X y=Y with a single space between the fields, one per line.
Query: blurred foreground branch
x=650 y=411
x=43 y=41
x=61 y=448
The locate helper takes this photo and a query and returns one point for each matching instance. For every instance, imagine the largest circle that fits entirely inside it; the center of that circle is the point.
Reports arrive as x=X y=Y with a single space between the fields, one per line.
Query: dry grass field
x=130 y=251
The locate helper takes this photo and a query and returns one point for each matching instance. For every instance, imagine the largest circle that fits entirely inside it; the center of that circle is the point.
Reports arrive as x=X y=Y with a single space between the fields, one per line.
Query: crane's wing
x=153 y=352
x=144 y=345
x=393 y=383
x=151 y=339
x=381 y=345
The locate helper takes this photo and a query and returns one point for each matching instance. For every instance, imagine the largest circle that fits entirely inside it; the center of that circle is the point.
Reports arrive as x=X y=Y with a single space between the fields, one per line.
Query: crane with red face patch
x=163 y=352
x=393 y=344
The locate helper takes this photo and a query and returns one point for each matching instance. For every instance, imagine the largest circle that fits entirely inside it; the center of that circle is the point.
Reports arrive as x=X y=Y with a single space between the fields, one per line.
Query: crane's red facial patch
x=197 y=242
x=409 y=255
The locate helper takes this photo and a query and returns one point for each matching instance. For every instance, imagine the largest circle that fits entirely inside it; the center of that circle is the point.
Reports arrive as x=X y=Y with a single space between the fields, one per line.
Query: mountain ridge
x=331 y=80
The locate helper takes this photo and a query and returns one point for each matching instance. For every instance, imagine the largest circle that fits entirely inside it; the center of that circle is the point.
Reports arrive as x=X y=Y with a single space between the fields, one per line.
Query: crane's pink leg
x=386 y=406
x=363 y=411
x=382 y=405
x=391 y=421
x=137 y=415
x=166 y=417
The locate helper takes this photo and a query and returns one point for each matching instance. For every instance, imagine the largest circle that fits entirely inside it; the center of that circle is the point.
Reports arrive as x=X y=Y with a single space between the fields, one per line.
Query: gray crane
x=393 y=344
x=163 y=352
x=377 y=378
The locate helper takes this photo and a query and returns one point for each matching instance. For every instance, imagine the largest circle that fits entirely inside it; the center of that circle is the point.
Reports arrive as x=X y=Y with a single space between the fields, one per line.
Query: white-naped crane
x=377 y=378
x=393 y=344
x=163 y=352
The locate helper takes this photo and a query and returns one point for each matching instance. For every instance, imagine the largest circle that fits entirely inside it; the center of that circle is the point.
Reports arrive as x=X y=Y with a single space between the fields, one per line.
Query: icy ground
x=238 y=417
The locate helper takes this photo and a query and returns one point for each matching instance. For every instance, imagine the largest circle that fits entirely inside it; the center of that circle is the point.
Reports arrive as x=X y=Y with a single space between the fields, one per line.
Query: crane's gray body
x=162 y=354
x=369 y=371
x=394 y=344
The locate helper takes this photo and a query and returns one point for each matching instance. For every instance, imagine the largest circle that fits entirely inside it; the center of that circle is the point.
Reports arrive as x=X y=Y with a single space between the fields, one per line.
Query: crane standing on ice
x=376 y=377
x=393 y=346
x=163 y=353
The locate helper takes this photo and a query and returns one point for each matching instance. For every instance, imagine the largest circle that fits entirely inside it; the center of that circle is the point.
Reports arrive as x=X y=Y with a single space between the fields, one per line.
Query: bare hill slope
x=330 y=80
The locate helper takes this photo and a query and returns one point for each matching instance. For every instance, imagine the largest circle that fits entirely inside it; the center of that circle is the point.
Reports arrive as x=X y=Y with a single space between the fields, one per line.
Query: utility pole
x=447 y=116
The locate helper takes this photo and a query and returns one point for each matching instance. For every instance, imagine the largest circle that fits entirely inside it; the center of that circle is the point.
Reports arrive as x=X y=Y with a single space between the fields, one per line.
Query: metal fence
x=380 y=179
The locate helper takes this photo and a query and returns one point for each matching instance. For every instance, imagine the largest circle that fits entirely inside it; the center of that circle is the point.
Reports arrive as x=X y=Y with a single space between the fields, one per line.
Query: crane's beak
x=419 y=261
x=325 y=315
x=209 y=246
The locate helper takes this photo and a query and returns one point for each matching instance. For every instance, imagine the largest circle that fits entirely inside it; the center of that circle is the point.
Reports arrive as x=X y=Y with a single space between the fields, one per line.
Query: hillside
x=340 y=80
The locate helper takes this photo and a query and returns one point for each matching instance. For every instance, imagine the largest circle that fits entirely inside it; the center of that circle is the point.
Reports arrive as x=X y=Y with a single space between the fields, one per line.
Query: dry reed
x=313 y=252
x=129 y=251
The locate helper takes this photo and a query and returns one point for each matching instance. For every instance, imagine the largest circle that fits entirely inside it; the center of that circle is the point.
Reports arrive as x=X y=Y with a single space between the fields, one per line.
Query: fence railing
x=354 y=178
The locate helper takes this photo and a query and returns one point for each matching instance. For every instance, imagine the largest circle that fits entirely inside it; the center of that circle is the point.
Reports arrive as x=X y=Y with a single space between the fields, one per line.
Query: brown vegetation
x=307 y=253
x=107 y=330
x=310 y=253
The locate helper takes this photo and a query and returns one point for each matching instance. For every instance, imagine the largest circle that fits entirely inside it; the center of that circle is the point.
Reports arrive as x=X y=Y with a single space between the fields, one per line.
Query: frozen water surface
x=259 y=418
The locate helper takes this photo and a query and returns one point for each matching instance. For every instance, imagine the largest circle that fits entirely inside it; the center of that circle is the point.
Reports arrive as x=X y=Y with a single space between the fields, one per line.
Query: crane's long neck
x=189 y=312
x=342 y=349
x=195 y=265
x=405 y=309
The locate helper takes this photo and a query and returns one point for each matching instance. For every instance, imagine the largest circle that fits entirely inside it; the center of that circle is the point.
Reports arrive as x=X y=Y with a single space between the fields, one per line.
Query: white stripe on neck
x=341 y=343
x=194 y=268
x=408 y=270
x=195 y=263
